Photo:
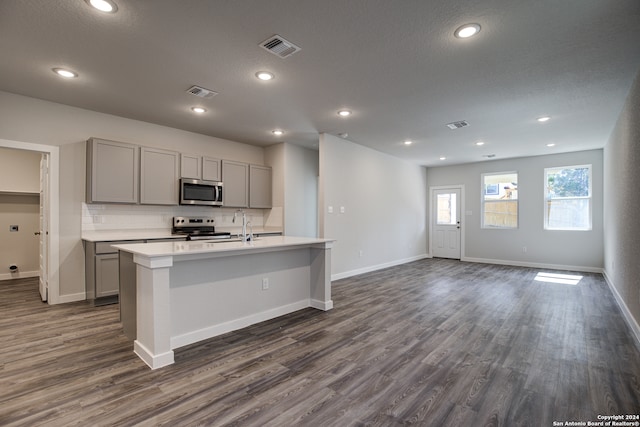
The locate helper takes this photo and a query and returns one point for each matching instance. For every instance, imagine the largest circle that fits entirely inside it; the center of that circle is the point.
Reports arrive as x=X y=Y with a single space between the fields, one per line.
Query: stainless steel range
x=197 y=228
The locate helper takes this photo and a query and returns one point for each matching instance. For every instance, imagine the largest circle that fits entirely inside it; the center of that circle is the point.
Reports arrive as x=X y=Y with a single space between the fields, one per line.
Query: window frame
x=482 y=202
x=546 y=198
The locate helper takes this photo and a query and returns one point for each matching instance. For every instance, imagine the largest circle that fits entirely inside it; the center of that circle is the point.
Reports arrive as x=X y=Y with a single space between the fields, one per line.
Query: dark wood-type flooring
x=430 y=343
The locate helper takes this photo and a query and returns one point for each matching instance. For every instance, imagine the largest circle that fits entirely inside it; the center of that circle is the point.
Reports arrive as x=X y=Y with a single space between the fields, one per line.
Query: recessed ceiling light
x=67 y=74
x=264 y=75
x=551 y=144
x=467 y=30
x=479 y=143
x=107 y=6
x=344 y=113
x=408 y=142
x=443 y=158
x=277 y=132
x=198 y=110
x=544 y=119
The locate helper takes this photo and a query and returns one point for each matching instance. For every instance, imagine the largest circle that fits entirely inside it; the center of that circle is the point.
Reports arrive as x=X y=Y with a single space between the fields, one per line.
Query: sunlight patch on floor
x=563 y=279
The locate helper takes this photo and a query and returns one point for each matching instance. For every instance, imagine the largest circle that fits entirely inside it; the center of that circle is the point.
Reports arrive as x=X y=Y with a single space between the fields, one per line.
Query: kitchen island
x=186 y=292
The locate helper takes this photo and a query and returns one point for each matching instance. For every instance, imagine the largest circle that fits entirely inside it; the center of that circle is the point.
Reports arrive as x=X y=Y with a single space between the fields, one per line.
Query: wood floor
x=430 y=343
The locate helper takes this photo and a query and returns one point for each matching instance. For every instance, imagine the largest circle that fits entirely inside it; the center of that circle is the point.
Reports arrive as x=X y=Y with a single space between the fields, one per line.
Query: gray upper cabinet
x=211 y=169
x=199 y=167
x=112 y=171
x=235 y=176
x=159 y=176
x=259 y=187
x=190 y=166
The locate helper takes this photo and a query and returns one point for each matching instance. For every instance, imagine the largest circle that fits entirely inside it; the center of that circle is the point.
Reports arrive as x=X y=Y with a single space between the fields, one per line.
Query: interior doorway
x=445 y=226
x=49 y=217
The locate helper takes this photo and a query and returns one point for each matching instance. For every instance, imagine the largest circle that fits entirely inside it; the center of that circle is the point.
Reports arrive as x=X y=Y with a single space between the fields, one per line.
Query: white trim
x=80 y=296
x=54 y=211
x=626 y=313
x=153 y=361
x=321 y=305
x=371 y=268
x=19 y=275
x=234 y=325
x=534 y=264
x=462 y=216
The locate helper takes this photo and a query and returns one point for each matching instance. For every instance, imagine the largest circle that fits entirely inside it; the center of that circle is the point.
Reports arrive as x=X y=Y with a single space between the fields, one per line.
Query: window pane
x=502 y=214
x=446 y=209
x=568 y=213
x=568 y=182
x=568 y=198
x=500 y=200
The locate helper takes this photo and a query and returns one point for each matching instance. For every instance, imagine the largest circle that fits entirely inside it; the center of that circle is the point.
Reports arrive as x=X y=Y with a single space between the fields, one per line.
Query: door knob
x=37 y=233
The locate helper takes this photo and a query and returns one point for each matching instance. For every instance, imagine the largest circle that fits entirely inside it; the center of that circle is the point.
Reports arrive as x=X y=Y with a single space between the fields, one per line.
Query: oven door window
x=206 y=193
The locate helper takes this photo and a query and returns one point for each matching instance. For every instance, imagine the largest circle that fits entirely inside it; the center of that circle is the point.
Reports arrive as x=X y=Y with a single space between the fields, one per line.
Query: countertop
x=150 y=234
x=159 y=249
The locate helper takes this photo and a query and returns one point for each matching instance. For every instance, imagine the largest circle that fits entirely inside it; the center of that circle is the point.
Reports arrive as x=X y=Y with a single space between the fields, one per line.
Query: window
x=446 y=209
x=500 y=200
x=567 y=198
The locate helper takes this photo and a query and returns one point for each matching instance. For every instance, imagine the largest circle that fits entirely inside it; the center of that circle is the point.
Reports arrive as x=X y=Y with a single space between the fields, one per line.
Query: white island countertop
x=183 y=292
x=163 y=249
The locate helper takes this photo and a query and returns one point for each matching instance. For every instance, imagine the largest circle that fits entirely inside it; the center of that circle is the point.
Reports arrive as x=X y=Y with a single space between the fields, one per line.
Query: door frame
x=53 y=250
x=460 y=187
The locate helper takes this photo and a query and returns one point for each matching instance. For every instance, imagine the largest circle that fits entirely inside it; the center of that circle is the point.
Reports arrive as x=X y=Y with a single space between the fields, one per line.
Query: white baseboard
x=534 y=265
x=626 y=313
x=80 y=296
x=19 y=275
x=153 y=361
x=234 y=325
x=371 y=268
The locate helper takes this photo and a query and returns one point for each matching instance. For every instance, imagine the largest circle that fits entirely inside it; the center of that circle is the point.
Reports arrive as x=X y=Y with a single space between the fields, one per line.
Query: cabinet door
x=235 y=177
x=158 y=177
x=211 y=169
x=190 y=166
x=112 y=172
x=259 y=186
x=107 y=275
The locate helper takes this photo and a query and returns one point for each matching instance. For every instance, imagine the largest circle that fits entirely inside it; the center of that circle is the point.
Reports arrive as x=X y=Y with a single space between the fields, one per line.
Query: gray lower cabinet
x=112 y=171
x=102 y=271
x=235 y=176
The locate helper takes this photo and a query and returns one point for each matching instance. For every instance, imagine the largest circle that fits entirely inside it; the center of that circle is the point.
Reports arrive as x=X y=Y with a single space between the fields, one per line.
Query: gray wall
x=622 y=207
x=385 y=218
x=561 y=249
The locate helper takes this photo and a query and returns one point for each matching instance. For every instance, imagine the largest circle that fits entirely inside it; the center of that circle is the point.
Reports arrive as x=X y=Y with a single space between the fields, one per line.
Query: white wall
x=301 y=191
x=622 y=208
x=20 y=248
x=35 y=121
x=19 y=171
x=385 y=202
x=581 y=250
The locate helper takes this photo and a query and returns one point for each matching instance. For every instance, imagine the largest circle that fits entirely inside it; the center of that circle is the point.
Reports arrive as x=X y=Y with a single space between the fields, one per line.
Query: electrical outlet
x=360 y=253
x=265 y=283
x=524 y=249
x=330 y=209
x=341 y=209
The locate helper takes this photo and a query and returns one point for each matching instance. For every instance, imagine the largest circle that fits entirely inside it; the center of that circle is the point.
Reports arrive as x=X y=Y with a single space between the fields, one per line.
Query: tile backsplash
x=96 y=217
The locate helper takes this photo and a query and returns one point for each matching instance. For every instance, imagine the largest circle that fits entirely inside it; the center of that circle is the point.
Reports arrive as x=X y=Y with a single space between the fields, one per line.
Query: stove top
x=197 y=228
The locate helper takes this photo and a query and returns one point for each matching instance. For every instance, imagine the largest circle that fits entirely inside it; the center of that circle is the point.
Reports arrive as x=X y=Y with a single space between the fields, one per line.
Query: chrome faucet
x=244 y=236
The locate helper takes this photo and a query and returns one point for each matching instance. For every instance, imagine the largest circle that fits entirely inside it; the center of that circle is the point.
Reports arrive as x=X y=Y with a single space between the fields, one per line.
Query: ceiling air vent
x=457 y=125
x=201 y=92
x=279 y=46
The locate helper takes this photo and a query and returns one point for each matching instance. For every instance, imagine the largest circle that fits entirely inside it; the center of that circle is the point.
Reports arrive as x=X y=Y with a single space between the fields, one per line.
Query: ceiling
x=395 y=64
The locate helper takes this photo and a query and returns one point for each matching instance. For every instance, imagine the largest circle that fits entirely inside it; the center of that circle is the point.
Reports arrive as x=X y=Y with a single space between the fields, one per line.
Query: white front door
x=445 y=219
x=44 y=226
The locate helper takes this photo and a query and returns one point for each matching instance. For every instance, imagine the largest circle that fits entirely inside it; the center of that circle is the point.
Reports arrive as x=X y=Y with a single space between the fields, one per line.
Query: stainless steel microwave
x=200 y=192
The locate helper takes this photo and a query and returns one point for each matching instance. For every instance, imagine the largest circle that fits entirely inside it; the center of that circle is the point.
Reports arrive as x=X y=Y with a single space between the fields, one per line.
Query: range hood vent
x=457 y=125
x=279 y=46
x=201 y=92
